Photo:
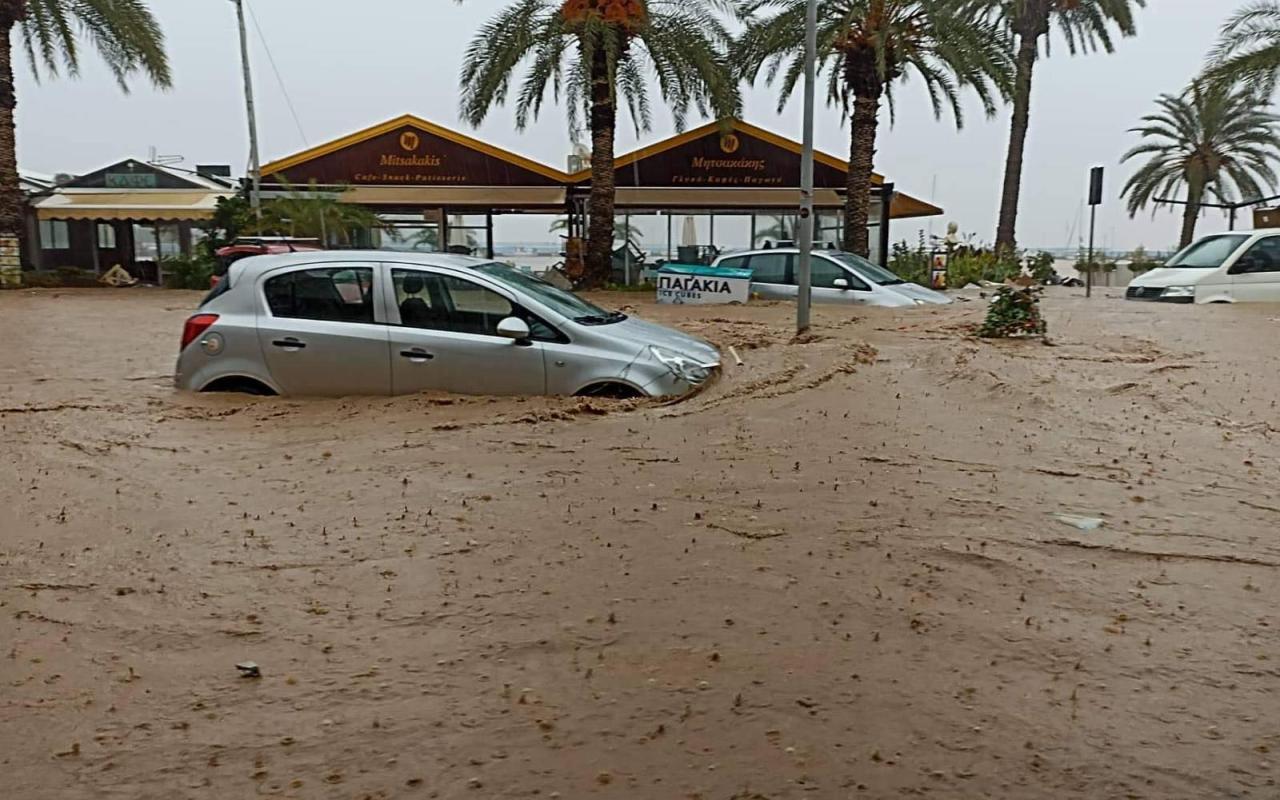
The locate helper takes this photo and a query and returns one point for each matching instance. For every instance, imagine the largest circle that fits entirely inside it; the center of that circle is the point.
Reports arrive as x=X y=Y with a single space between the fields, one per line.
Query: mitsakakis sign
x=409 y=155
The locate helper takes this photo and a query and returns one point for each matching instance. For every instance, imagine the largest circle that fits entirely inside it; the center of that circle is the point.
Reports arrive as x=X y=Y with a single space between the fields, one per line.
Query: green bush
x=60 y=278
x=1014 y=312
x=965 y=265
x=980 y=265
x=187 y=272
x=1040 y=266
x=911 y=264
x=1140 y=262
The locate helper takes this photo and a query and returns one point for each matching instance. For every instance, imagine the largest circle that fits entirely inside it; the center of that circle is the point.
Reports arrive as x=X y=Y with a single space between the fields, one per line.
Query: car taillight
x=196 y=326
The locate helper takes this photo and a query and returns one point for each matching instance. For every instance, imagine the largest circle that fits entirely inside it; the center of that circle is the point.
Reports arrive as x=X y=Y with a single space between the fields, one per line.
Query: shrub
x=1040 y=266
x=911 y=264
x=187 y=272
x=1101 y=263
x=965 y=268
x=1140 y=262
x=60 y=278
x=1015 y=311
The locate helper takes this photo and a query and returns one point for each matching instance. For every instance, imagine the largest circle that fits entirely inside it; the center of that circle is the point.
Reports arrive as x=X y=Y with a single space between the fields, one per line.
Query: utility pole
x=255 y=166
x=804 y=273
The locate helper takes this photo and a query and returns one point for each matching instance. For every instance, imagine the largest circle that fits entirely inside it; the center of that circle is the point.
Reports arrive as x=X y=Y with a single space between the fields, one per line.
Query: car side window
x=1264 y=256
x=334 y=294
x=735 y=262
x=769 y=267
x=432 y=301
x=824 y=274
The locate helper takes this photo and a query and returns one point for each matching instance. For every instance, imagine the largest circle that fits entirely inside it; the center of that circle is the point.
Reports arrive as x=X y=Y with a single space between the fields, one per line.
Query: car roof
x=254 y=266
x=787 y=250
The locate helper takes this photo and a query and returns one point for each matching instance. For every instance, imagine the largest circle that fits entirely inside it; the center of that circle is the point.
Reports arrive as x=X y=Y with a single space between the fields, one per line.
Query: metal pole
x=804 y=276
x=255 y=166
x=1088 y=278
x=1233 y=218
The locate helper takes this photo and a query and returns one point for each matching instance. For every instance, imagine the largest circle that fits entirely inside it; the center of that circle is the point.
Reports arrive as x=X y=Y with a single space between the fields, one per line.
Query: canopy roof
x=133 y=189
x=409 y=151
x=409 y=161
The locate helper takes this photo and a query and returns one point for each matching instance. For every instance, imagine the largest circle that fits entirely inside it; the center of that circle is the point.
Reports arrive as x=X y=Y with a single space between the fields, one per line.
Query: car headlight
x=1179 y=291
x=920 y=302
x=681 y=366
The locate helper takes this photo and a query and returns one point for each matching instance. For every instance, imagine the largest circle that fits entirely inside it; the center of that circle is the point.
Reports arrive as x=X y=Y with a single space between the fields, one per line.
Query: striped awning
x=139 y=205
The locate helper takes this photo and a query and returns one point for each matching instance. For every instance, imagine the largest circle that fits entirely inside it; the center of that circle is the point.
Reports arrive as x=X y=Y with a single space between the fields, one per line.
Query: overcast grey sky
x=350 y=66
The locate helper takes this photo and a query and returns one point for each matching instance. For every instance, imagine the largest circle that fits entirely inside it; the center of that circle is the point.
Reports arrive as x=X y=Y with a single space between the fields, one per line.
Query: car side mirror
x=840 y=283
x=515 y=329
x=1246 y=264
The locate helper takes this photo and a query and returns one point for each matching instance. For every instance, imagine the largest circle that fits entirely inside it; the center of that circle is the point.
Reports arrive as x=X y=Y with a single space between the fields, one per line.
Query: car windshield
x=557 y=299
x=872 y=272
x=1208 y=253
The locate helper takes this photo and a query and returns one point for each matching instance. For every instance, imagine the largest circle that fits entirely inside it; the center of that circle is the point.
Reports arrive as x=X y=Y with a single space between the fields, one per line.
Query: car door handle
x=416 y=355
x=289 y=344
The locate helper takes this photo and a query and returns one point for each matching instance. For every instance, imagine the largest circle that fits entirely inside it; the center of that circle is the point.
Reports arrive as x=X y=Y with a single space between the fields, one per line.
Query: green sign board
x=129 y=180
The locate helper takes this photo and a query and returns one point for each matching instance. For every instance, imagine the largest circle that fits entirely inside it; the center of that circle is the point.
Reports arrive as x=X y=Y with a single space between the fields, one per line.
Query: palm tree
x=123 y=31
x=1086 y=26
x=1215 y=140
x=1249 y=48
x=315 y=214
x=622 y=232
x=596 y=53
x=866 y=47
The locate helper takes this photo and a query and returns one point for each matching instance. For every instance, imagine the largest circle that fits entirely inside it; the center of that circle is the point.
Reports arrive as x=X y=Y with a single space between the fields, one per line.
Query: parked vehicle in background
x=246 y=246
x=1236 y=267
x=379 y=322
x=837 y=277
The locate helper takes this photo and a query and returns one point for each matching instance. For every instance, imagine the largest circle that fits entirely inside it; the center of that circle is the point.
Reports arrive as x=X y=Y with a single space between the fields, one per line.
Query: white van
x=1241 y=267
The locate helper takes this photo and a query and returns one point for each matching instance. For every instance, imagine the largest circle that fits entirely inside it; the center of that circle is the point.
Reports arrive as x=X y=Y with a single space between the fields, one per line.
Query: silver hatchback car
x=343 y=323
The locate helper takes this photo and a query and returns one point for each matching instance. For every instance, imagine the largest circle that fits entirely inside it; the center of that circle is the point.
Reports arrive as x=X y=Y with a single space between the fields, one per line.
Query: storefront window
x=106 y=236
x=55 y=234
x=170 y=241
x=153 y=241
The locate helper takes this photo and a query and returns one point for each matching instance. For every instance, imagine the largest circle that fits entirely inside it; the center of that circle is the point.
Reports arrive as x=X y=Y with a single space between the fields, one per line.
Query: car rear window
x=220 y=288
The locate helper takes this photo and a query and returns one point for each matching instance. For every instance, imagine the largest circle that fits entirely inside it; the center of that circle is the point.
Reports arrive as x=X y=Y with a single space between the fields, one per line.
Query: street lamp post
x=255 y=166
x=804 y=274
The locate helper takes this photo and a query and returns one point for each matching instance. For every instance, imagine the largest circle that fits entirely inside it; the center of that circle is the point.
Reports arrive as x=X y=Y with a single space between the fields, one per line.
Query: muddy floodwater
x=863 y=565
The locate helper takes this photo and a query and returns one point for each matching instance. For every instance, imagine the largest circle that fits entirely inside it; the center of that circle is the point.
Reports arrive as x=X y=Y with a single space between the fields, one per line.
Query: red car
x=244 y=247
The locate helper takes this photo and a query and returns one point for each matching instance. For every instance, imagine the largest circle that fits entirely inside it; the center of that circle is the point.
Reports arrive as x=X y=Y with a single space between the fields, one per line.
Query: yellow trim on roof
x=365 y=135
x=735 y=125
x=905 y=206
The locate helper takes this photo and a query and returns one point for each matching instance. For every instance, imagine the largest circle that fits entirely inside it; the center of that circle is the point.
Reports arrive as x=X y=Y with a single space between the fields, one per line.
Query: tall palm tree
x=1249 y=48
x=866 y=47
x=123 y=31
x=596 y=53
x=1086 y=25
x=1215 y=141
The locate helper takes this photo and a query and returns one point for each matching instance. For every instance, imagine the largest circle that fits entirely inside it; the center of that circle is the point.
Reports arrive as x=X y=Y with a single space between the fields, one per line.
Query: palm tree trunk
x=1025 y=61
x=11 y=199
x=600 y=203
x=862 y=151
x=1191 y=215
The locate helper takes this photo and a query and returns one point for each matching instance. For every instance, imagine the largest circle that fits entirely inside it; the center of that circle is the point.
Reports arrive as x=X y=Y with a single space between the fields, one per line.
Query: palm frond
x=1213 y=138
x=124 y=32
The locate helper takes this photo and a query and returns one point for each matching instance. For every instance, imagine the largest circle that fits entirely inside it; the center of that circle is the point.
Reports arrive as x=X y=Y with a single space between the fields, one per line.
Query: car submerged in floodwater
x=836 y=277
x=374 y=322
x=1236 y=267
